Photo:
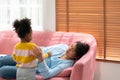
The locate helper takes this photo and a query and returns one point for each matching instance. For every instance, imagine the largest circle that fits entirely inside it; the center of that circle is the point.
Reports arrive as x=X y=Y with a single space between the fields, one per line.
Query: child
x=24 y=51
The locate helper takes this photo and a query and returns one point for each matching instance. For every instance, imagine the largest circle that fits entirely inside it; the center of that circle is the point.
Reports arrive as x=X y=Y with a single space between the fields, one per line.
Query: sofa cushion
x=65 y=73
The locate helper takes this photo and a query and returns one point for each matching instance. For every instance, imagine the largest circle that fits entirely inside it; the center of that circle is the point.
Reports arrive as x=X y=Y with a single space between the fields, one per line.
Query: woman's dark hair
x=22 y=27
x=81 y=49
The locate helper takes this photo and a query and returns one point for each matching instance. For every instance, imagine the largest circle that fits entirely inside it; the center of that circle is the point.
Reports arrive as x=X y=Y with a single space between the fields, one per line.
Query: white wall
x=107 y=71
x=49 y=15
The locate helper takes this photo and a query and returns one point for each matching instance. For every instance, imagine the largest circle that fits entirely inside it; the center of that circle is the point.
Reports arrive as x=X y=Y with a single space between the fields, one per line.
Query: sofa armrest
x=84 y=68
x=77 y=71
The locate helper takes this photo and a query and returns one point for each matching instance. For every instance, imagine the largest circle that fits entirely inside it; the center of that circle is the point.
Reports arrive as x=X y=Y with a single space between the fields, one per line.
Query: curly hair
x=22 y=27
x=81 y=49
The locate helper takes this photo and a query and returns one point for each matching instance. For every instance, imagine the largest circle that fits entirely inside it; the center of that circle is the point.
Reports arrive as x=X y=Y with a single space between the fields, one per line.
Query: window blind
x=61 y=15
x=113 y=30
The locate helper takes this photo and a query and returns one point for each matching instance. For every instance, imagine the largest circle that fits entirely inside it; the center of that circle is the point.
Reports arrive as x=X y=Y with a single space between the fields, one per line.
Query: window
x=97 y=17
x=17 y=9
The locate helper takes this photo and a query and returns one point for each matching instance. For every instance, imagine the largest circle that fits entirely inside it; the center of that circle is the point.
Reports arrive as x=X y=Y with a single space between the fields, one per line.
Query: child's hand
x=49 y=54
x=46 y=55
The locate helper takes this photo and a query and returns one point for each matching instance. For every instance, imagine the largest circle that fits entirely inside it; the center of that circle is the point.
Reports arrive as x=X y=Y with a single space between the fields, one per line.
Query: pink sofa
x=83 y=69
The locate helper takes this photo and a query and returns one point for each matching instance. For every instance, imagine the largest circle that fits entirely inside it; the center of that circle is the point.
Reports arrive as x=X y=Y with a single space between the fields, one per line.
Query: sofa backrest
x=42 y=38
x=7 y=41
x=9 y=38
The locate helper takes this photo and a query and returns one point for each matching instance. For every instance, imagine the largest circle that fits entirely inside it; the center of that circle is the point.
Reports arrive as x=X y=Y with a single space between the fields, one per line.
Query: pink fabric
x=59 y=78
x=65 y=73
x=38 y=77
x=83 y=69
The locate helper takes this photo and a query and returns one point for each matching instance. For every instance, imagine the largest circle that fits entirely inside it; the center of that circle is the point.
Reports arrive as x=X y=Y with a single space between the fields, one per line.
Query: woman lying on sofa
x=62 y=57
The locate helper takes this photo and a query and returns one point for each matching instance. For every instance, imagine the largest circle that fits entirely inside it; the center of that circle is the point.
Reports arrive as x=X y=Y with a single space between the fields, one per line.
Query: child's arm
x=38 y=53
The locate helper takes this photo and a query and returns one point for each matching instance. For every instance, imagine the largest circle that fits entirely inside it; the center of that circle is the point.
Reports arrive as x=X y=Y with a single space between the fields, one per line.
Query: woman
x=62 y=57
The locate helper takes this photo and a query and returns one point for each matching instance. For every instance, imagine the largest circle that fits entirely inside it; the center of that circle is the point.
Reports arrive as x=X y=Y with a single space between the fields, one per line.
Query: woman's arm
x=57 y=51
x=47 y=72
